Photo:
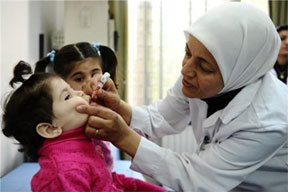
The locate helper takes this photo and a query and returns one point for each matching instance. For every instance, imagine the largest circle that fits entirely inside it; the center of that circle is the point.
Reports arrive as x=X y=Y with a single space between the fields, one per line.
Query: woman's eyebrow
x=208 y=61
x=202 y=57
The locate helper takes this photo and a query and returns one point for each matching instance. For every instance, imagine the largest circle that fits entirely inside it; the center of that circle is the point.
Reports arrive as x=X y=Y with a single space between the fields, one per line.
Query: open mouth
x=92 y=102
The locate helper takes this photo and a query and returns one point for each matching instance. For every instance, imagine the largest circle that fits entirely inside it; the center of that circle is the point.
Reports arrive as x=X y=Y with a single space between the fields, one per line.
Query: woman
x=238 y=110
x=280 y=68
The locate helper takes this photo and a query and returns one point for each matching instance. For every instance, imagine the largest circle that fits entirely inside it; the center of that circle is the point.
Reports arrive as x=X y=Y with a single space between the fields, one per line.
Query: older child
x=41 y=115
x=80 y=64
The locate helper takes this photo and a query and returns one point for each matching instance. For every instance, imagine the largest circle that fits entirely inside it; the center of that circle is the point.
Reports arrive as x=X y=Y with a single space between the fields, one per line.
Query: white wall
x=14 y=46
x=21 y=23
x=86 y=21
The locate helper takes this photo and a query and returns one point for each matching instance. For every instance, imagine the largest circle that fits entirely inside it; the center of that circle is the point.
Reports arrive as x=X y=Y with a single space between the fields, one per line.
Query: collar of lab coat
x=240 y=102
x=237 y=105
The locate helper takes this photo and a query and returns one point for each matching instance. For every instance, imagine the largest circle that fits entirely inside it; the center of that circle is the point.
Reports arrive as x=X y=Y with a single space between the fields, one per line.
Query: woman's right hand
x=109 y=97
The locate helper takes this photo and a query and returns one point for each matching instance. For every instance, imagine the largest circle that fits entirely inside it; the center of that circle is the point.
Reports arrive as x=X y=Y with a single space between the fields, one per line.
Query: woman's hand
x=105 y=124
x=109 y=97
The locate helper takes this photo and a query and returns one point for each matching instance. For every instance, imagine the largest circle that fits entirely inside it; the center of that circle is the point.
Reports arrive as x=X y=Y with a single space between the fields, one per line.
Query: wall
x=86 y=21
x=21 y=23
x=14 y=46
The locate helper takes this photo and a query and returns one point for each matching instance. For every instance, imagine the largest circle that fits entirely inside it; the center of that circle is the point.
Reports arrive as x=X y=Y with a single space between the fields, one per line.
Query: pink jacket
x=71 y=163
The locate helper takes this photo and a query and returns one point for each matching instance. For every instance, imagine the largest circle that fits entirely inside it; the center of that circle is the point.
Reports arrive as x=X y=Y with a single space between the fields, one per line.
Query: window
x=157 y=43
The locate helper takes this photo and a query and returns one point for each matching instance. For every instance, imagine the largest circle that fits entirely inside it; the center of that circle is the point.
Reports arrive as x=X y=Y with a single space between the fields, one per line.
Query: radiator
x=183 y=142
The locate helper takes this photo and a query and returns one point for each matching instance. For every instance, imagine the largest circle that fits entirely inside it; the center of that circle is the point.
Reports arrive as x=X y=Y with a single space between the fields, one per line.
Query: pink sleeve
x=69 y=181
x=133 y=184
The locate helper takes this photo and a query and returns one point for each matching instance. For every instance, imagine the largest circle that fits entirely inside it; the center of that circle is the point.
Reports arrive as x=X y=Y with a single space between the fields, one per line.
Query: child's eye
x=67 y=97
x=78 y=79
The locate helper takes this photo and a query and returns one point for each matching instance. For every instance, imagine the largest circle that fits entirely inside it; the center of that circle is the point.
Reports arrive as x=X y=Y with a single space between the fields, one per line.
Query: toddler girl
x=80 y=64
x=41 y=116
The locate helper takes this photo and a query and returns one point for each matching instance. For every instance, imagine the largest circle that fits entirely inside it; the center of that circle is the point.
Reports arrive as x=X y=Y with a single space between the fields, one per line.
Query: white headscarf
x=242 y=39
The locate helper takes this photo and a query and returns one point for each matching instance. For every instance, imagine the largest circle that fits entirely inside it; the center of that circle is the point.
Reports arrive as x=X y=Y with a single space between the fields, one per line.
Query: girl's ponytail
x=109 y=60
x=22 y=68
x=43 y=63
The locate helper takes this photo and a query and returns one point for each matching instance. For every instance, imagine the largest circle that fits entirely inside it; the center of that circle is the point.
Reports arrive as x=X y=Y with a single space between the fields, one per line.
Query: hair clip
x=51 y=55
x=96 y=45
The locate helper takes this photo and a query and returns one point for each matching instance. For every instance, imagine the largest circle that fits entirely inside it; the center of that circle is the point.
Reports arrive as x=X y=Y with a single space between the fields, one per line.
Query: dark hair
x=66 y=58
x=282 y=27
x=26 y=107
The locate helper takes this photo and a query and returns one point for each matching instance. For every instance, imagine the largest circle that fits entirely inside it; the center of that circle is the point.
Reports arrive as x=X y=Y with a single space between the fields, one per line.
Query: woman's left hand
x=105 y=124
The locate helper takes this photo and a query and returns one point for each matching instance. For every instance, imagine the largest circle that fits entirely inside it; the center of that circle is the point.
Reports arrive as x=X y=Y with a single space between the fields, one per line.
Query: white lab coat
x=248 y=140
x=274 y=73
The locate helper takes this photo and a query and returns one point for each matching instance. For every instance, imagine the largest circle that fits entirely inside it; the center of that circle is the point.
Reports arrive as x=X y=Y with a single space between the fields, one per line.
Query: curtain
x=118 y=10
x=278 y=11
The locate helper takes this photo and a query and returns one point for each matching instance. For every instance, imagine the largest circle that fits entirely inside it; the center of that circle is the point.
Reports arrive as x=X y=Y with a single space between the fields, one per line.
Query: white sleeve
x=221 y=167
x=163 y=117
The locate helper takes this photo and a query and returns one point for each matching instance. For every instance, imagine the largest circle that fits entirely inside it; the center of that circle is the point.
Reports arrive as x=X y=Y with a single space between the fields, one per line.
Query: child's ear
x=48 y=131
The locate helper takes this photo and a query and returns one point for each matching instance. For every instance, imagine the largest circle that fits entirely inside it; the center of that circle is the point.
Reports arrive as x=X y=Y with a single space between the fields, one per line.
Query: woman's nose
x=188 y=68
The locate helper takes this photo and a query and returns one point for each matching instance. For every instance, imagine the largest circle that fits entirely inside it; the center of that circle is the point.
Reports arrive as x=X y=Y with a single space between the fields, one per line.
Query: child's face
x=65 y=100
x=83 y=73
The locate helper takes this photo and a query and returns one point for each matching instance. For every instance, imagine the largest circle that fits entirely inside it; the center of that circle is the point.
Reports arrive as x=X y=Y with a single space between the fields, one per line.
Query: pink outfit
x=71 y=163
